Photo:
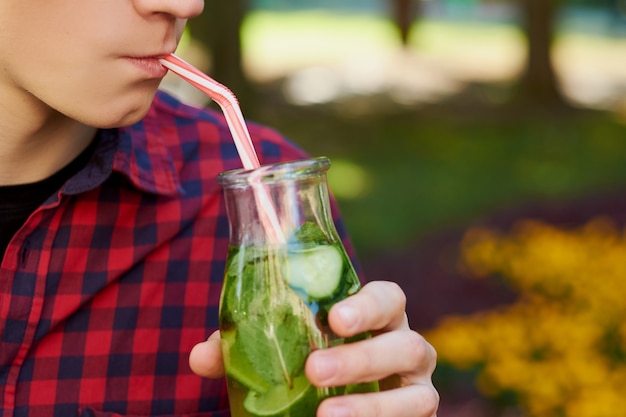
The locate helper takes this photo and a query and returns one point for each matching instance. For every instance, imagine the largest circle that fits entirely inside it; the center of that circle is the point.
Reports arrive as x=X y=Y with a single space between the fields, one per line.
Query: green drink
x=276 y=295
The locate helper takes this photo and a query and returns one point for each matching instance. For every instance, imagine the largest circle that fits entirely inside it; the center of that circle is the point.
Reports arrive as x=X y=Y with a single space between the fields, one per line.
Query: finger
x=205 y=358
x=413 y=401
x=379 y=305
x=404 y=352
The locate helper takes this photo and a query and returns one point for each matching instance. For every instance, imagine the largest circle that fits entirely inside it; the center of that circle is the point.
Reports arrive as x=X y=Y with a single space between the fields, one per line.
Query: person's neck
x=36 y=144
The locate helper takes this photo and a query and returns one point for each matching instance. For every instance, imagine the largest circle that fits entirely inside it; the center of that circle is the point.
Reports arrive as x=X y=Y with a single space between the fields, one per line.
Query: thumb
x=205 y=358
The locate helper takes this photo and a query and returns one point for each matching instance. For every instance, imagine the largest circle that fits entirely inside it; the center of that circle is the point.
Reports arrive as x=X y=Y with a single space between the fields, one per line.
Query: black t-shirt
x=17 y=202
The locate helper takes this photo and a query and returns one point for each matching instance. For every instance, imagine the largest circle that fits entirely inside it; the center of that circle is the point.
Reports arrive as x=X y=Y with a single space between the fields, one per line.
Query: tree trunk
x=404 y=13
x=218 y=29
x=538 y=84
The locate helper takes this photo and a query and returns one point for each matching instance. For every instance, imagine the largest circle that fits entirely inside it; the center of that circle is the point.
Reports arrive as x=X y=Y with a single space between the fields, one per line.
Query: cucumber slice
x=316 y=271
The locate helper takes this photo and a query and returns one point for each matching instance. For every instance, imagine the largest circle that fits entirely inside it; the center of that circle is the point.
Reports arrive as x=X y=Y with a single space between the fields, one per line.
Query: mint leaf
x=308 y=235
x=276 y=344
x=244 y=282
x=274 y=328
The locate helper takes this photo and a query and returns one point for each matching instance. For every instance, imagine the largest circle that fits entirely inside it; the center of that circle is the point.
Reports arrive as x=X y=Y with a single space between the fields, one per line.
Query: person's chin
x=126 y=114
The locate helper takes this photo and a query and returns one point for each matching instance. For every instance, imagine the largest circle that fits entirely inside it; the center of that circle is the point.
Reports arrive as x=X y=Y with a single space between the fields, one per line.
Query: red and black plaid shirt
x=111 y=282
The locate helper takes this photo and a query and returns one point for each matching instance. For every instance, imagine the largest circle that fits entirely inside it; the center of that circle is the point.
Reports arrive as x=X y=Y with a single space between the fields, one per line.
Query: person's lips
x=149 y=65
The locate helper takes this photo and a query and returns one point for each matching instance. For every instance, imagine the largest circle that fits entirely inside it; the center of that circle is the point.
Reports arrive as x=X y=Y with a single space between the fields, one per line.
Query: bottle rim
x=271 y=173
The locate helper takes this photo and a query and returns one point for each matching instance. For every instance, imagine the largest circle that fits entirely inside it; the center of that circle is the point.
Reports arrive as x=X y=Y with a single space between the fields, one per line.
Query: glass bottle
x=279 y=284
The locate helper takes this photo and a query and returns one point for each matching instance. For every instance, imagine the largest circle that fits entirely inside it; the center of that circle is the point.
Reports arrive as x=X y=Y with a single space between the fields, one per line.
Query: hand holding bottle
x=397 y=355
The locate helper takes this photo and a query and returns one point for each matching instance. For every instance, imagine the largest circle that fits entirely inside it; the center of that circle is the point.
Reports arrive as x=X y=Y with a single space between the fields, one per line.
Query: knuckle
x=430 y=401
x=433 y=355
x=419 y=352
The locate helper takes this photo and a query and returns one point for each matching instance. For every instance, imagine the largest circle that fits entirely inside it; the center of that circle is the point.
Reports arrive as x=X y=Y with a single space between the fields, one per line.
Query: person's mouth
x=149 y=64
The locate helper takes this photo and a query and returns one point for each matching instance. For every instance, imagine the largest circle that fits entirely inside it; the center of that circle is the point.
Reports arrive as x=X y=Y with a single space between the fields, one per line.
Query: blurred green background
x=440 y=116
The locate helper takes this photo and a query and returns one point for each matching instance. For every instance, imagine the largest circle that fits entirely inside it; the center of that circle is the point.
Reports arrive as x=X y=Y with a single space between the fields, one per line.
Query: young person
x=114 y=235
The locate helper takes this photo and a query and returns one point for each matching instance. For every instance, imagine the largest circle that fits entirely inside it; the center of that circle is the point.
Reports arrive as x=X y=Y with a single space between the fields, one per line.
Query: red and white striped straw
x=237 y=125
x=225 y=99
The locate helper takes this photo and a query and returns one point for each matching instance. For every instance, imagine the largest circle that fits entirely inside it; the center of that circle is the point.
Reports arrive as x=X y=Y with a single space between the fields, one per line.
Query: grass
x=423 y=174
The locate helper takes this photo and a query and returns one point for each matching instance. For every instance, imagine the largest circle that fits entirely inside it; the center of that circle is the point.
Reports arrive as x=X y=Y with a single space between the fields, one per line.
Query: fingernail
x=325 y=366
x=348 y=315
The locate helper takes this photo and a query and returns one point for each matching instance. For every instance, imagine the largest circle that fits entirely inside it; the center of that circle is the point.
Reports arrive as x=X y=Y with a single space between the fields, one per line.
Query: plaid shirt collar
x=125 y=150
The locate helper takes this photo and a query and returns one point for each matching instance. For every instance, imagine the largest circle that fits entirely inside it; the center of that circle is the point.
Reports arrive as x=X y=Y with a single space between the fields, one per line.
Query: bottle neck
x=295 y=201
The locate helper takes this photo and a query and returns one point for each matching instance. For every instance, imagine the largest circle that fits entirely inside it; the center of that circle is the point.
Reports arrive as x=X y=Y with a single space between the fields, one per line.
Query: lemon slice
x=281 y=401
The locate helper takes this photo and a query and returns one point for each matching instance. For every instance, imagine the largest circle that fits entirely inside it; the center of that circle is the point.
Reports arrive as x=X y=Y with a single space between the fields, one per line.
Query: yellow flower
x=562 y=347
